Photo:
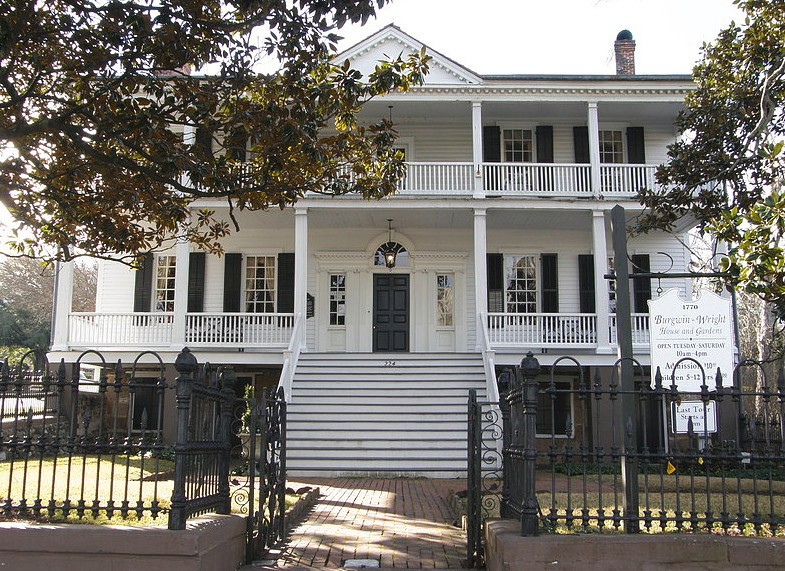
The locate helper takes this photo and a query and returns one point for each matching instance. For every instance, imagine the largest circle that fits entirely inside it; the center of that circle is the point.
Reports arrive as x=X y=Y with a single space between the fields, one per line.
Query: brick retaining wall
x=506 y=550
x=209 y=543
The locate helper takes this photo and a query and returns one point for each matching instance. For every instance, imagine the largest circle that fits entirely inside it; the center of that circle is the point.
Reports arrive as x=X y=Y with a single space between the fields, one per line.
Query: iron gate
x=485 y=492
x=262 y=496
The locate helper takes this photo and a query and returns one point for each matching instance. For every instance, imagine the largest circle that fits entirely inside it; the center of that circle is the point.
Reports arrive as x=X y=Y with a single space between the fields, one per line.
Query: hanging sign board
x=704 y=419
x=699 y=329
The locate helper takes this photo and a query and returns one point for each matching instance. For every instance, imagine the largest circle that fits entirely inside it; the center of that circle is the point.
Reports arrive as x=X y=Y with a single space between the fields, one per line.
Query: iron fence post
x=473 y=484
x=185 y=364
x=530 y=368
x=505 y=384
x=281 y=403
x=629 y=424
x=228 y=380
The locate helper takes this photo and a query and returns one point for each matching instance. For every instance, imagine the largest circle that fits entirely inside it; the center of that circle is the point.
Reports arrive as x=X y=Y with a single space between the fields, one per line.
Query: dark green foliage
x=727 y=172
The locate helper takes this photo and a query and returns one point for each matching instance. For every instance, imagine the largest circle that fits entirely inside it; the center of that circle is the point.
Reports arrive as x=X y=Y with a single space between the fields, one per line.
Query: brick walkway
x=400 y=523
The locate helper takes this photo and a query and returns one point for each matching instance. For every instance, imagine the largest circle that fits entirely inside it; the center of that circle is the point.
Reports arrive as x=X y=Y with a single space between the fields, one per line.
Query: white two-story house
x=377 y=316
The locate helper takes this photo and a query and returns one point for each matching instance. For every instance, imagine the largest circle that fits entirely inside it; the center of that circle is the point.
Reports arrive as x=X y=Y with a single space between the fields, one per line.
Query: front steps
x=388 y=415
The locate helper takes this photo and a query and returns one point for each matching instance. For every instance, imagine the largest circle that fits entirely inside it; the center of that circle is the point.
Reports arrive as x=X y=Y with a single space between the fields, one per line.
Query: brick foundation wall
x=209 y=543
x=506 y=550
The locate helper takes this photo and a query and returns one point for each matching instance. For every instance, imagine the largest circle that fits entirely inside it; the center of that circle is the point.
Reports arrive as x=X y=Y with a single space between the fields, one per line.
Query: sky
x=556 y=36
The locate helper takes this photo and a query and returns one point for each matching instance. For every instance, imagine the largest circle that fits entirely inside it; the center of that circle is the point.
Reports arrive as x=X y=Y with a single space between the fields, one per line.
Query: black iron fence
x=485 y=480
x=681 y=461
x=107 y=442
x=262 y=494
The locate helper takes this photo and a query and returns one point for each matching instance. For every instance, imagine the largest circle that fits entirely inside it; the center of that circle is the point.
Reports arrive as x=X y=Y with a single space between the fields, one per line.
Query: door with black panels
x=391 y=313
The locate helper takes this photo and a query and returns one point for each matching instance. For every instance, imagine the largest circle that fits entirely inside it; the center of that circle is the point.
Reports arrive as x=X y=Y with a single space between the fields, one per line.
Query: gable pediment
x=391 y=41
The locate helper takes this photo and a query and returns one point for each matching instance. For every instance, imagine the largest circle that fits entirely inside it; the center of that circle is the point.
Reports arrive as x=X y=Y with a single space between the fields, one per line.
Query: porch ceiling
x=492 y=111
x=377 y=218
x=440 y=218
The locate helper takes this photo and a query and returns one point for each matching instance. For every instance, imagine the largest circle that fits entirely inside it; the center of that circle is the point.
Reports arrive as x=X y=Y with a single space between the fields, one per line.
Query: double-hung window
x=518 y=145
x=611 y=147
x=163 y=292
x=260 y=284
x=521 y=283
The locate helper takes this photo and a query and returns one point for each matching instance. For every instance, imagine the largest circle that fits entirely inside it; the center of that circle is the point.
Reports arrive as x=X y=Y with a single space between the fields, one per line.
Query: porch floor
x=401 y=523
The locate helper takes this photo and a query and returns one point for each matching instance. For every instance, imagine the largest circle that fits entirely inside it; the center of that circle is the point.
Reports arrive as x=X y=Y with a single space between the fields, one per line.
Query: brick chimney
x=625 y=53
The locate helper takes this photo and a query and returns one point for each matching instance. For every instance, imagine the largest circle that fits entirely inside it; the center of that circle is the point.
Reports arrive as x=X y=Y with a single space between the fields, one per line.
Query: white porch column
x=601 y=307
x=594 y=147
x=300 y=262
x=479 y=191
x=61 y=310
x=480 y=270
x=182 y=252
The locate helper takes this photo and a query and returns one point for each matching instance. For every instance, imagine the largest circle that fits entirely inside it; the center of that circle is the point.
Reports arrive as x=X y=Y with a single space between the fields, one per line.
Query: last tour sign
x=700 y=329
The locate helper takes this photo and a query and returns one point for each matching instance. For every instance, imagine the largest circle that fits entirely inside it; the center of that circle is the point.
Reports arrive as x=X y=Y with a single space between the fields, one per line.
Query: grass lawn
x=669 y=499
x=89 y=483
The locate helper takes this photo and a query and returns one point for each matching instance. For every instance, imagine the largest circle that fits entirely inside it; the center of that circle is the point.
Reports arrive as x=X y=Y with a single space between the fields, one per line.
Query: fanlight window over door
x=391 y=252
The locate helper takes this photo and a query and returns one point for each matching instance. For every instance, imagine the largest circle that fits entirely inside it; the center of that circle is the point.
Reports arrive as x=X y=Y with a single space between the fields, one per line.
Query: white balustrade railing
x=540 y=179
x=640 y=329
x=201 y=329
x=625 y=180
x=438 y=178
x=106 y=329
x=542 y=329
x=524 y=179
x=239 y=329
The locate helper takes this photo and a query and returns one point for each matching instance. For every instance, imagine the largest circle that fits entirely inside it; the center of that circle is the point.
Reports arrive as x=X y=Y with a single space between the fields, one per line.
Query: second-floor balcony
x=550 y=180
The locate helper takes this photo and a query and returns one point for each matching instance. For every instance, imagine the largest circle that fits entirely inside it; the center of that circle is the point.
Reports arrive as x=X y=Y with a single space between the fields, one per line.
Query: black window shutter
x=285 y=282
x=586 y=283
x=233 y=268
x=236 y=143
x=196 y=282
x=491 y=144
x=204 y=141
x=580 y=141
x=641 y=287
x=495 y=272
x=549 y=264
x=544 y=134
x=143 y=288
x=636 y=152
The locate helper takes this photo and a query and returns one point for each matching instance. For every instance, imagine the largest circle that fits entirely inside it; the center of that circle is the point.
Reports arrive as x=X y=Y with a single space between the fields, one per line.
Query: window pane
x=164 y=283
x=445 y=300
x=337 y=299
x=521 y=274
x=611 y=148
x=518 y=145
x=260 y=284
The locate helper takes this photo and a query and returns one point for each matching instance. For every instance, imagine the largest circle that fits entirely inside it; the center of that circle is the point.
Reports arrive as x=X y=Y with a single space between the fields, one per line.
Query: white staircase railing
x=488 y=359
x=290 y=357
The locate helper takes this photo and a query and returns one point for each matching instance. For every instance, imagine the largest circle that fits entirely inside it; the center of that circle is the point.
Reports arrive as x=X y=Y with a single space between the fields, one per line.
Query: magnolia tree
x=727 y=171
x=108 y=139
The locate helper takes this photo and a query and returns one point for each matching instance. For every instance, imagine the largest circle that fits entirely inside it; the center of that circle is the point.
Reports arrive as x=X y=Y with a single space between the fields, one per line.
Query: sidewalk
x=400 y=523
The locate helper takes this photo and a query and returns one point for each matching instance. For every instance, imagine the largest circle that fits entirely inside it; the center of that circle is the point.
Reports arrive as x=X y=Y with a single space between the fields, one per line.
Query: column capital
x=592 y=104
x=480 y=211
x=476 y=104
